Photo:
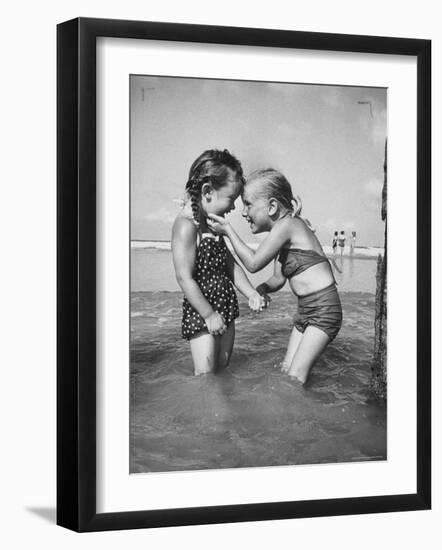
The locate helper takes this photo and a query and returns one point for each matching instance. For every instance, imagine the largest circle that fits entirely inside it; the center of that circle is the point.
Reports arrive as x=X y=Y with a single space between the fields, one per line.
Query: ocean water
x=152 y=269
x=249 y=414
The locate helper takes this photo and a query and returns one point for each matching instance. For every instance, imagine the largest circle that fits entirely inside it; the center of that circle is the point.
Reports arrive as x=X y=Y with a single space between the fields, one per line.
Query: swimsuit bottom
x=321 y=309
x=221 y=297
x=211 y=275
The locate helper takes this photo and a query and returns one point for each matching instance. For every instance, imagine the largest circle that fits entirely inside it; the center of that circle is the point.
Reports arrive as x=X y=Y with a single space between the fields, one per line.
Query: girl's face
x=222 y=200
x=256 y=209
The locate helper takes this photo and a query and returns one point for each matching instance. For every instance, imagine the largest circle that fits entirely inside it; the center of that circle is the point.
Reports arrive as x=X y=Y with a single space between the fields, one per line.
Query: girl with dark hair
x=205 y=269
x=341 y=241
x=269 y=205
x=335 y=242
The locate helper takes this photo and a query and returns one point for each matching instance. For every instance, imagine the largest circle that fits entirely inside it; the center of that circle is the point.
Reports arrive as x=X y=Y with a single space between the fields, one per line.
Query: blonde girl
x=269 y=206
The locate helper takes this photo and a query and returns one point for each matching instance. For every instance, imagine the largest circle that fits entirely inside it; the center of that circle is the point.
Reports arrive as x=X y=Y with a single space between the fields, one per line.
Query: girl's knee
x=206 y=366
x=224 y=360
x=299 y=375
x=198 y=371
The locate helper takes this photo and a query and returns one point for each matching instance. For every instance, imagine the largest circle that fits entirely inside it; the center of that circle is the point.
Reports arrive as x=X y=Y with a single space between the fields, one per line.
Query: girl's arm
x=276 y=281
x=242 y=283
x=253 y=260
x=184 y=259
x=238 y=276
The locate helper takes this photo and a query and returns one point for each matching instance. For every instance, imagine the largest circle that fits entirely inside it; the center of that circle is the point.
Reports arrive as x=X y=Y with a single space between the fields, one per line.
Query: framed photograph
x=243 y=309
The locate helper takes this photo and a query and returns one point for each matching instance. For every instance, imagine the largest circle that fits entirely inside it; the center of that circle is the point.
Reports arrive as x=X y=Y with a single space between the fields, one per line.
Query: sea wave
x=358 y=251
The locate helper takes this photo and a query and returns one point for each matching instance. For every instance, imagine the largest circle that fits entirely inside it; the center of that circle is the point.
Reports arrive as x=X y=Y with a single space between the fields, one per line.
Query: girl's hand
x=256 y=302
x=217 y=224
x=215 y=324
x=262 y=290
x=266 y=299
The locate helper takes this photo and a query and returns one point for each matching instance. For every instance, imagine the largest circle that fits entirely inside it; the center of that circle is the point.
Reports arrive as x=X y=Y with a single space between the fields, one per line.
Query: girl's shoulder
x=303 y=235
x=297 y=225
x=184 y=228
x=284 y=226
x=290 y=224
x=284 y=232
x=185 y=214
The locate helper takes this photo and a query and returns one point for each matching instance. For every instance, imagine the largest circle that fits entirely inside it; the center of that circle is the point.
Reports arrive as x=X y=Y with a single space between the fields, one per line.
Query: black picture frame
x=77 y=288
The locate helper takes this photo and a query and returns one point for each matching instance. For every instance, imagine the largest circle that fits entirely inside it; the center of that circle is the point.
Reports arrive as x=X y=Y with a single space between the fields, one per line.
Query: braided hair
x=213 y=166
x=276 y=186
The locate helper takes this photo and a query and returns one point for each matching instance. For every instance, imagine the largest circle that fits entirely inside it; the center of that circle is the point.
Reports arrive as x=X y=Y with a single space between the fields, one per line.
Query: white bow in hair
x=181 y=202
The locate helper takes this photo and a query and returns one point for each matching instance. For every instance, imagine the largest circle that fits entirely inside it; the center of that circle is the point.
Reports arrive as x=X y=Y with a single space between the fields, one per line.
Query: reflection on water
x=250 y=414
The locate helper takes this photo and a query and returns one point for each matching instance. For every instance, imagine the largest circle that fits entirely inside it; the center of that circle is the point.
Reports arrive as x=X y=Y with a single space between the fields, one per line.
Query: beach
x=249 y=414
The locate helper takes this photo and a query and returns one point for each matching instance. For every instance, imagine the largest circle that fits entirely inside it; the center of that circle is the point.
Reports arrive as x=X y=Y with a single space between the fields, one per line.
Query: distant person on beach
x=353 y=242
x=341 y=242
x=204 y=267
x=269 y=205
x=335 y=242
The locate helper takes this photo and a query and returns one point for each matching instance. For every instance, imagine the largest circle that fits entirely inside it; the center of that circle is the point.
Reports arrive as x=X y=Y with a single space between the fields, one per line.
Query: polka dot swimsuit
x=212 y=277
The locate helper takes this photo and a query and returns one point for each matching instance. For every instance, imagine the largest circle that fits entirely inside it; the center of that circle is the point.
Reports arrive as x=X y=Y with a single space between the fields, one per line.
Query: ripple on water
x=250 y=414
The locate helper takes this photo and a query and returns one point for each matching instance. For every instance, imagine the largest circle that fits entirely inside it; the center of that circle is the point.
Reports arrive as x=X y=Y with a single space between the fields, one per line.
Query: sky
x=328 y=145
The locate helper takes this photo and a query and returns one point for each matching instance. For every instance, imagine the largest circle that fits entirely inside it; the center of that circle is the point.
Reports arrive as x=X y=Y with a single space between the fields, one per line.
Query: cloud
x=373 y=187
x=348 y=225
x=379 y=129
x=331 y=225
x=373 y=193
x=373 y=121
x=332 y=96
x=161 y=214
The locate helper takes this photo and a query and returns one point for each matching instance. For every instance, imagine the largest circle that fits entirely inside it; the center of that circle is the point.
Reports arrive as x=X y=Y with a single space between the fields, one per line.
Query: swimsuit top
x=211 y=261
x=296 y=260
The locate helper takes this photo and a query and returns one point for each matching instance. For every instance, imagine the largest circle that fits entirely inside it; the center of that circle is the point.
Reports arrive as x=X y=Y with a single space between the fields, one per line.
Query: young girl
x=353 y=242
x=269 y=205
x=335 y=242
x=341 y=241
x=204 y=266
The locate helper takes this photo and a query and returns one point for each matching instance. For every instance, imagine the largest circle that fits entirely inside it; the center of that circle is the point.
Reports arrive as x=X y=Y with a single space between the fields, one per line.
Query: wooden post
x=379 y=367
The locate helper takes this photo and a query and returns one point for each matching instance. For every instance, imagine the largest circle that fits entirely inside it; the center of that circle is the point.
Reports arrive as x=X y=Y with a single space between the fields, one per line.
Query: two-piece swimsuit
x=211 y=275
x=322 y=308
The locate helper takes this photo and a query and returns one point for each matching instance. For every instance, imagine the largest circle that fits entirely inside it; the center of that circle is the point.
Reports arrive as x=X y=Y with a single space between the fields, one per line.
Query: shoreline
x=360 y=252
